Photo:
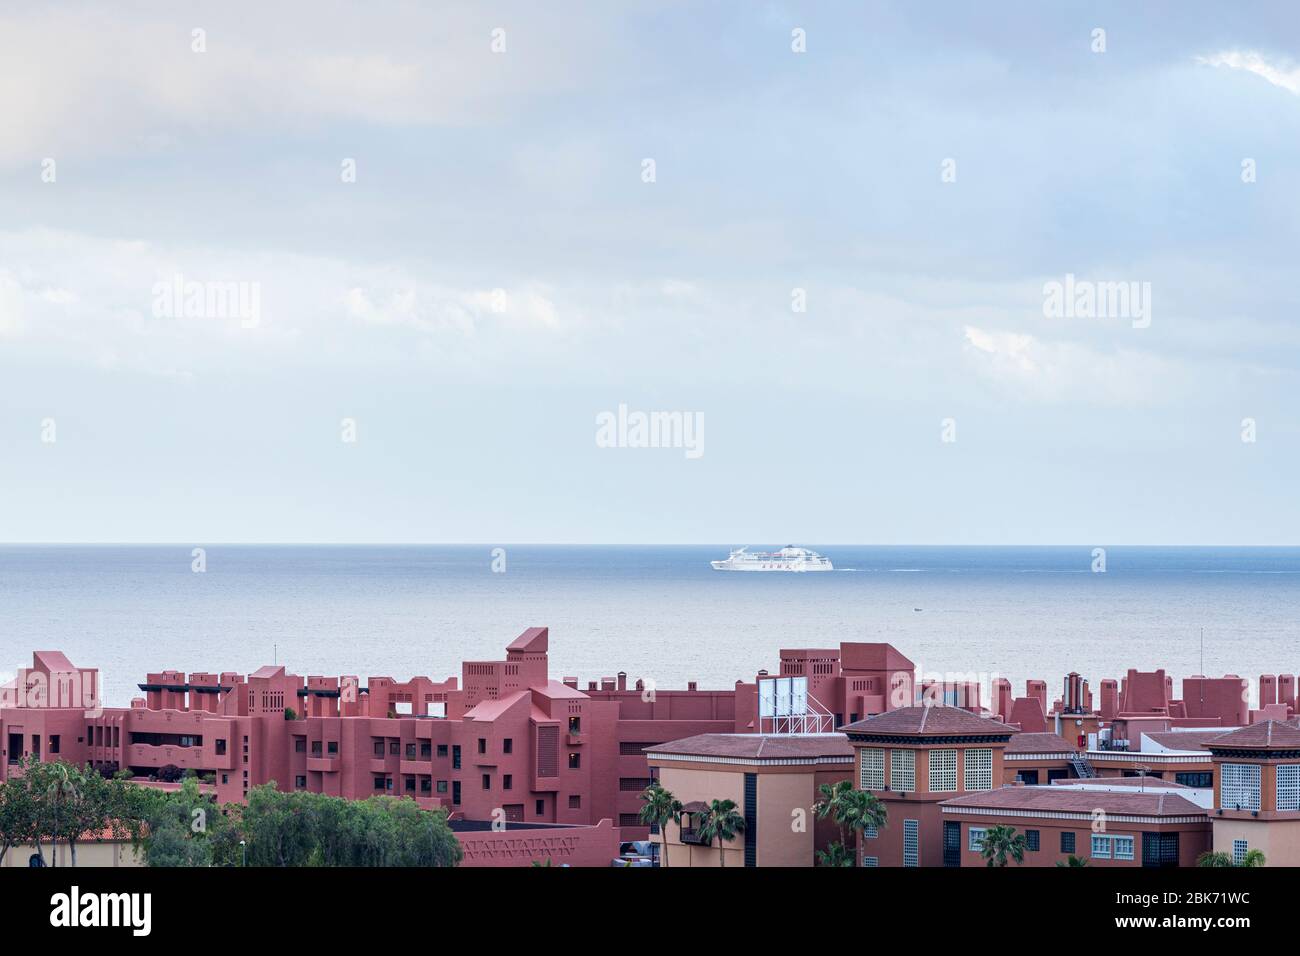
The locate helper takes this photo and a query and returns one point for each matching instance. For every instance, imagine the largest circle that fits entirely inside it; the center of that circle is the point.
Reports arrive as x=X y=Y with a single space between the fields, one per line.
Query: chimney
x=622 y=680
x=571 y=682
x=692 y=685
x=640 y=684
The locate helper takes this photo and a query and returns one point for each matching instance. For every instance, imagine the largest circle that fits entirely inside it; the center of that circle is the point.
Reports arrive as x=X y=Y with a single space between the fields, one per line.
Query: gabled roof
x=856 y=655
x=489 y=710
x=1266 y=735
x=52 y=661
x=936 y=720
x=532 y=641
x=1077 y=800
x=756 y=746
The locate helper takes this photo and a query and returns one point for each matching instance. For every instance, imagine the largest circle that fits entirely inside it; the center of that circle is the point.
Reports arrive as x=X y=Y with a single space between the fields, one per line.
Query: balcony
x=574 y=740
x=692 y=835
x=150 y=755
x=320 y=764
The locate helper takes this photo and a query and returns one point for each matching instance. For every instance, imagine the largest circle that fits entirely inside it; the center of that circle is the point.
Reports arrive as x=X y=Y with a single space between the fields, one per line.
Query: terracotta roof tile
x=757 y=746
x=1266 y=735
x=930 y=721
x=1078 y=800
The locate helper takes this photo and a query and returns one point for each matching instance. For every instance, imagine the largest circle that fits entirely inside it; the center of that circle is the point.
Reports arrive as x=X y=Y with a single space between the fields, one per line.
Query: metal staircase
x=1082 y=767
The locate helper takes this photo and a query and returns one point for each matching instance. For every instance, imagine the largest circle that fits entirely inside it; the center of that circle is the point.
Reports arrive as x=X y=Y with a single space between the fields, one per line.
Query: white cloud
x=1286 y=76
x=98 y=82
x=1029 y=367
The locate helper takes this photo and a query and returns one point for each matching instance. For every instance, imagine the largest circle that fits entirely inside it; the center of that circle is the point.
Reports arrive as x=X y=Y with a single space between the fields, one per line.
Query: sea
x=656 y=612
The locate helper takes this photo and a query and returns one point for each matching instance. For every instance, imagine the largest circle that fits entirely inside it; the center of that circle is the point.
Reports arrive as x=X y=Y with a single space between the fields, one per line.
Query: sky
x=458 y=234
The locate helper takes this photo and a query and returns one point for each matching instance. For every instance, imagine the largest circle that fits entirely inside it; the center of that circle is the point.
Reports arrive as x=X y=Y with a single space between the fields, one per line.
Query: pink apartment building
x=506 y=739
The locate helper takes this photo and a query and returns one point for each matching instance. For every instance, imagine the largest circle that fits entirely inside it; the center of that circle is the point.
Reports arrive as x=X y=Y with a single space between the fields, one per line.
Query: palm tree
x=829 y=804
x=1002 y=844
x=721 y=820
x=1211 y=858
x=862 y=810
x=659 y=807
x=850 y=809
x=1072 y=861
x=834 y=855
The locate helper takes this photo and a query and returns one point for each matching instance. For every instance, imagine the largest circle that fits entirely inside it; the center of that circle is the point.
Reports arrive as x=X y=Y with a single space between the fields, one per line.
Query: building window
x=575 y=761
x=911 y=843
x=1194 y=779
x=442 y=751
x=1123 y=847
x=300 y=745
x=1100 y=847
x=393 y=748
x=508 y=746
x=426 y=784
x=871 y=770
x=871 y=861
x=978 y=768
x=482 y=745
x=442 y=786
x=575 y=803
x=943 y=771
x=1031 y=840
x=975 y=839
x=332 y=748
x=575 y=725
x=410 y=751
x=1067 y=842
x=507 y=780
x=426 y=750
x=379 y=748
x=1240 y=787
x=300 y=782
x=487 y=781
x=1288 y=786
x=410 y=784
x=540 y=806
x=870 y=833
x=455 y=792
x=1239 y=850
x=379 y=783
x=902 y=771
x=455 y=757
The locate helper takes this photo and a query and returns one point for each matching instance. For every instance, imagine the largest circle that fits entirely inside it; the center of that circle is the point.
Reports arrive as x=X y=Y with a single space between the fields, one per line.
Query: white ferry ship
x=788 y=558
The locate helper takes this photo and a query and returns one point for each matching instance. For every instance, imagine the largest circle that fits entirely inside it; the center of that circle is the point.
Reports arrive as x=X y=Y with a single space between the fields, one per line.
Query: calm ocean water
x=655 y=611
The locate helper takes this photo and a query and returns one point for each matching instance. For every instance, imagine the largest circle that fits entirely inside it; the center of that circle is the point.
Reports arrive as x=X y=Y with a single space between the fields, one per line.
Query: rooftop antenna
x=275 y=653
x=1202 y=681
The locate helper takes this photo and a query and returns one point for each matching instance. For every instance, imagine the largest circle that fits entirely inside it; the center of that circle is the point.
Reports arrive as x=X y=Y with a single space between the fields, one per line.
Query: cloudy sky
x=500 y=271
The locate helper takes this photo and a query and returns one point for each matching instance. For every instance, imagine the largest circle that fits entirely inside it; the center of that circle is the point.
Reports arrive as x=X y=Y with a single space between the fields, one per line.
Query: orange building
x=914 y=758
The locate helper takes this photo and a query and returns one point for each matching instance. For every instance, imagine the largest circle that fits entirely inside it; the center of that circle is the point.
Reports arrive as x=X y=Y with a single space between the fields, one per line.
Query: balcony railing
x=693 y=835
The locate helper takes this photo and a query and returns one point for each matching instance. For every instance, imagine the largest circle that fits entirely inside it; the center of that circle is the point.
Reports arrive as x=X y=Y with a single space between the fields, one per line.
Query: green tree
x=835 y=854
x=1072 y=861
x=850 y=809
x=1212 y=858
x=658 y=808
x=17 y=815
x=1001 y=845
x=70 y=801
x=721 y=820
